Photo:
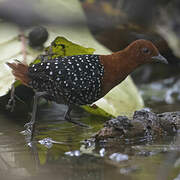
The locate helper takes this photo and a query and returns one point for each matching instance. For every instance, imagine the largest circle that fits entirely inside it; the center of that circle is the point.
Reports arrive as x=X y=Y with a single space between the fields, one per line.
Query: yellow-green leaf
x=63 y=47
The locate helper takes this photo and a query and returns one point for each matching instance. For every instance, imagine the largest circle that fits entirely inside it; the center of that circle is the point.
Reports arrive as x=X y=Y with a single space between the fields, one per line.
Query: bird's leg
x=11 y=103
x=68 y=117
x=31 y=125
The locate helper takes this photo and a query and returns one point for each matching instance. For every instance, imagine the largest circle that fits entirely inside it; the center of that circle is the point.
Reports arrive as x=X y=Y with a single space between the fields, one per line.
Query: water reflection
x=18 y=161
x=70 y=156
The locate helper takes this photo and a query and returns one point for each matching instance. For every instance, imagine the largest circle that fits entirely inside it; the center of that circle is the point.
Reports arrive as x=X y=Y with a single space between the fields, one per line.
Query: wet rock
x=170 y=122
x=144 y=124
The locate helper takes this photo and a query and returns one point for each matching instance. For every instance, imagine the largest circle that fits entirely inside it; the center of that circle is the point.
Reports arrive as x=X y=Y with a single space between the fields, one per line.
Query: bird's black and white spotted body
x=75 y=78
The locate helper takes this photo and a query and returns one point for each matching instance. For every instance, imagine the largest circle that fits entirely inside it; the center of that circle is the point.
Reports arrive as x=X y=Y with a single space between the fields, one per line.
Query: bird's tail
x=20 y=71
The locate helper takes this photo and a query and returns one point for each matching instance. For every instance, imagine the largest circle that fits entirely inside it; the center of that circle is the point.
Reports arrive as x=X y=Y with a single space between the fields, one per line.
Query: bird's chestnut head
x=145 y=51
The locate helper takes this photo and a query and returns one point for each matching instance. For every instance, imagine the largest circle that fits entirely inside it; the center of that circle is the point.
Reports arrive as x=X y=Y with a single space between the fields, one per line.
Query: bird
x=83 y=79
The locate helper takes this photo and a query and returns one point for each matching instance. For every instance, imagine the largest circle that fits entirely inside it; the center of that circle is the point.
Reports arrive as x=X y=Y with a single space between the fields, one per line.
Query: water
x=59 y=150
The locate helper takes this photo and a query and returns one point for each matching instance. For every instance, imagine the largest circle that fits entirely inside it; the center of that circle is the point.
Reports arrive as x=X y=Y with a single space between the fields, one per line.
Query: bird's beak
x=160 y=58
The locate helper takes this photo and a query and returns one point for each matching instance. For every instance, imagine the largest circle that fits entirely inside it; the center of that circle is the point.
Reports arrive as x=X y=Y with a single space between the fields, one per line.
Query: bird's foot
x=29 y=132
x=29 y=125
x=79 y=123
x=11 y=104
x=67 y=118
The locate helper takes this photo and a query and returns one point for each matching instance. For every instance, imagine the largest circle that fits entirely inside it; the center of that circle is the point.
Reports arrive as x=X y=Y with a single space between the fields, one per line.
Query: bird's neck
x=117 y=67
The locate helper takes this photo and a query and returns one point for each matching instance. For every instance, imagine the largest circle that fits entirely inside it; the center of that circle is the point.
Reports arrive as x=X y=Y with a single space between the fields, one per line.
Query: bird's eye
x=145 y=50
